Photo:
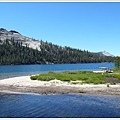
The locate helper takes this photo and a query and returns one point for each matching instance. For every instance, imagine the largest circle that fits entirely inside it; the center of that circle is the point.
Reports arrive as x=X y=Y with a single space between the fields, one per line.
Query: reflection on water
x=58 y=106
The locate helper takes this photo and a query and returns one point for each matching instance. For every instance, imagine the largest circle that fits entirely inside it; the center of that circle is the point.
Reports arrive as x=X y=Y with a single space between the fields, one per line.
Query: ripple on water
x=59 y=106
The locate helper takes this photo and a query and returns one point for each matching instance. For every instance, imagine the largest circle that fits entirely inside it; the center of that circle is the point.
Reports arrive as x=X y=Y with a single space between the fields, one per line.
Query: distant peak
x=2 y=29
x=105 y=53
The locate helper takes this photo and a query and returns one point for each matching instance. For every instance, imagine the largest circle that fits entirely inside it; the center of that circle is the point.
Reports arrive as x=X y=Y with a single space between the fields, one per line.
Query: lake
x=59 y=106
x=56 y=106
x=35 y=69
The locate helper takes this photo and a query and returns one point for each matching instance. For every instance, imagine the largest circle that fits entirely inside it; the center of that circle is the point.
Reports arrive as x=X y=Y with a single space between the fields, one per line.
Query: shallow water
x=59 y=106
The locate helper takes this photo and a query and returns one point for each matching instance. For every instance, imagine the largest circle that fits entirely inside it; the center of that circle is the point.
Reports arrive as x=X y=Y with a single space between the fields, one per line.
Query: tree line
x=13 y=52
x=117 y=62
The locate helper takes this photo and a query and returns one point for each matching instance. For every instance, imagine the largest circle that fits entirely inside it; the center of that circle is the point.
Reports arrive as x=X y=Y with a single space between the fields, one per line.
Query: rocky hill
x=12 y=34
x=104 y=53
x=18 y=49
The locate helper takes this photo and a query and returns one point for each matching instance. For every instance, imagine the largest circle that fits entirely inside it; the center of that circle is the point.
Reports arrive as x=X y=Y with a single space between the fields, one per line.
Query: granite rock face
x=12 y=34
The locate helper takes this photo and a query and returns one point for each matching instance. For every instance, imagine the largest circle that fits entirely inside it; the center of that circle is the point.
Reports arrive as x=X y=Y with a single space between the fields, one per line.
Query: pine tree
x=12 y=52
x=117 y=62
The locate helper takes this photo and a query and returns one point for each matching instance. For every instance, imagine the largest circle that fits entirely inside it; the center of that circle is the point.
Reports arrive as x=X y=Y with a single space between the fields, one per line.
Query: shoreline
x=24 y=84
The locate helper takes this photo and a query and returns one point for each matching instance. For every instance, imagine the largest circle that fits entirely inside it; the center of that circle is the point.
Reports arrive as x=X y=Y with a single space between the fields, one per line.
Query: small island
x=66 y=82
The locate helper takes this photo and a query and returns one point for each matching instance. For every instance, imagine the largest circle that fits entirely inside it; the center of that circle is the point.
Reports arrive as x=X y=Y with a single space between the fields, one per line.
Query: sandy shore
x=25 y=85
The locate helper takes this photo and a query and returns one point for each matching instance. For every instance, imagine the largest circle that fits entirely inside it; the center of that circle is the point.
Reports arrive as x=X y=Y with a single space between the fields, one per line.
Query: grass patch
x=116 y=70
x=117 y=76
x=84 y=76
x=45 y=78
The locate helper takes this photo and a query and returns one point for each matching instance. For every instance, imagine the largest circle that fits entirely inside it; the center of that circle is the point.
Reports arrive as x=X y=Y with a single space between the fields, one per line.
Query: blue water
x=56 y=106
x=59 y=106
x=34 y=69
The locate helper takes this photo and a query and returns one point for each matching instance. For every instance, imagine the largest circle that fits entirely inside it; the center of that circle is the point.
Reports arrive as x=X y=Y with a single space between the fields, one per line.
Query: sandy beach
x=24 y=84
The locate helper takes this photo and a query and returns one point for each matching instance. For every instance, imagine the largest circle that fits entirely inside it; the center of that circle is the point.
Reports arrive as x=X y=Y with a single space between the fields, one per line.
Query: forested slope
x=12 y=52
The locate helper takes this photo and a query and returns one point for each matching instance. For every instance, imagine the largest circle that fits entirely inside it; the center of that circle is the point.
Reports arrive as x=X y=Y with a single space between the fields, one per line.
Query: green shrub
x=34 y=77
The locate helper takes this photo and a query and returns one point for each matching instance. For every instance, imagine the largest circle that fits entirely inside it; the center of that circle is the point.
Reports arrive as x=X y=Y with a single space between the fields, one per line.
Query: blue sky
x=85 y=25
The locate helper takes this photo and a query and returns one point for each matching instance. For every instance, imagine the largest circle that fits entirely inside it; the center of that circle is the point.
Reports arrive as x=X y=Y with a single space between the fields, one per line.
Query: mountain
x=104 y=53
x=18 y=49
x=12 y=34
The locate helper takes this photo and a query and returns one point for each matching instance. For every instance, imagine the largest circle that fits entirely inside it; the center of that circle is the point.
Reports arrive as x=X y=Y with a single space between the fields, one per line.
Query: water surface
x=32 y=69
x=59 y=106
x=56 y=106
